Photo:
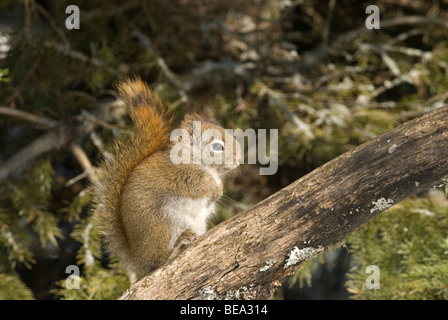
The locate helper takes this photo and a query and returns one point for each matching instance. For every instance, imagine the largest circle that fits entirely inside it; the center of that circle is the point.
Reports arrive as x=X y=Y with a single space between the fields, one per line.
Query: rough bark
x=248 y=256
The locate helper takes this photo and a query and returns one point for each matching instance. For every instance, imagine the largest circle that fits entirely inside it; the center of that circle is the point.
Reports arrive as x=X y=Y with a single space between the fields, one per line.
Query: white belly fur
x=186 y=213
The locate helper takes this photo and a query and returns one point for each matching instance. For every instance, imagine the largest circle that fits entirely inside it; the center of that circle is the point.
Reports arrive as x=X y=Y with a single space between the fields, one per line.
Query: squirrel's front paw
x=183 y=241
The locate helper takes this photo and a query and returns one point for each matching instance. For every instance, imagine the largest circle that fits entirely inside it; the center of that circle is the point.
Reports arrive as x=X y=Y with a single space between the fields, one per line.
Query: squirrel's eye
x=218 y=146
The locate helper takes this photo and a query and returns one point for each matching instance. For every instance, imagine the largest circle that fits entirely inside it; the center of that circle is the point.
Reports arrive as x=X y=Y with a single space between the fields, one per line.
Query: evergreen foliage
x=249 y=64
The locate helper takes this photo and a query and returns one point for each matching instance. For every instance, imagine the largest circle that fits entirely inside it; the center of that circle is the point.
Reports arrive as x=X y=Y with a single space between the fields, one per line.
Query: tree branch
x=40 y=120
x=48 y=141
x=58 y=136
x=249 y=255
x=84 y=161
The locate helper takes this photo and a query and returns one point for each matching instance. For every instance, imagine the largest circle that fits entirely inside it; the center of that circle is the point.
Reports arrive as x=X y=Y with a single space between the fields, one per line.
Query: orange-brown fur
x=143 y=203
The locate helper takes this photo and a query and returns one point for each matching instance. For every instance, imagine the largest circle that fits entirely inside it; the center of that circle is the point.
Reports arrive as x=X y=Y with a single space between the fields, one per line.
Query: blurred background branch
x=310 y=69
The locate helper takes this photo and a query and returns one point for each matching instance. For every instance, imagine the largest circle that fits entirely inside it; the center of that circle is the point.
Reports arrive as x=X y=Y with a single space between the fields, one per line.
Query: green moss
x=409 y=245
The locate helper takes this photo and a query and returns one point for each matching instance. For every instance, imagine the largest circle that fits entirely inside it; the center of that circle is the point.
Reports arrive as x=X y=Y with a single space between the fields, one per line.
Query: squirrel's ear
x=192 y=117
x=187 y=123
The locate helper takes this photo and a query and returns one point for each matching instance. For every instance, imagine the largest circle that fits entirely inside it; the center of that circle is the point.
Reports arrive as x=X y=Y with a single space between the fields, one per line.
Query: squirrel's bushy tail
x=152 y=128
